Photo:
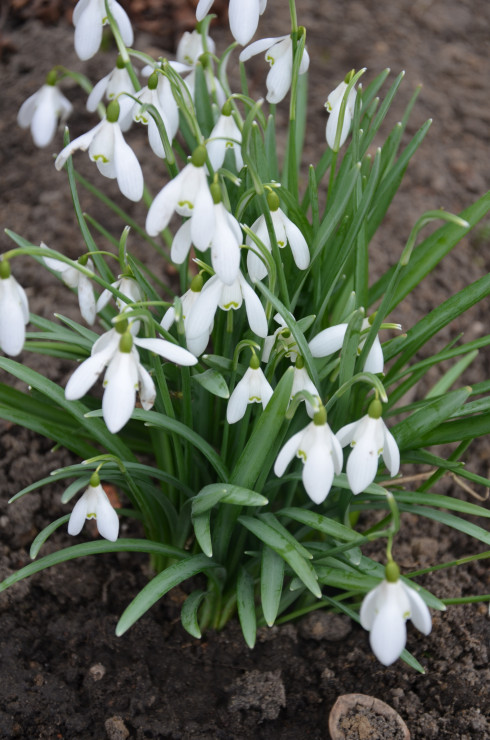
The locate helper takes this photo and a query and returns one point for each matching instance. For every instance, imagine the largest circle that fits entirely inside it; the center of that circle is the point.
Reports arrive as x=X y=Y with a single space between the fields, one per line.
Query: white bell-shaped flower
x=333 y=104
x=75 y=279
x=369 y=438
x=42 y=111
x=225 y=135
x=95 y=504
x=320 y=452
x=114 y=158
x=125 y=284
x=228 y=297
x=152 y=95
x=303 y=382
x=89 y=17
x=252 y=388
x=191 y=47
x=330 y=340
x=114 y=86
x=281 y=339
x=124 y=374
x=197 y=344
x=14 y=312
x=279 y=54
x=286 y=232
x=189 y=52
x=385 y=611
x=188 y=194
x=244 y=16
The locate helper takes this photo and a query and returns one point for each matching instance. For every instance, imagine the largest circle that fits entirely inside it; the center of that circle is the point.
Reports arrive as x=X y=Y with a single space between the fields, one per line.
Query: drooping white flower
x=320 y=452
x=384 y=612
x=75 y=279
x=282 y=336
x=113 y=86
x=243 y=15
x=42 y=111
x=286 y=232
x=89 y=17
x=95 y=504
x=279 y=54
x=303 y=382
x=333 y=104
x=157 y=93
x=225 y=135
x=252 y=388
x=198 y=343
x=188 y=194
x=114 y=158
x=124 y=374
x=369 y=438
x=191 y=47
x=216 y=293
x=331 y=340
x=125 y=284
x=189 y=52
x=14 y=312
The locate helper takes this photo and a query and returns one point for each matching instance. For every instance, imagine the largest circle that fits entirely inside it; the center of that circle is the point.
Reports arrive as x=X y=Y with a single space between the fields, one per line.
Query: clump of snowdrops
x=273 y=346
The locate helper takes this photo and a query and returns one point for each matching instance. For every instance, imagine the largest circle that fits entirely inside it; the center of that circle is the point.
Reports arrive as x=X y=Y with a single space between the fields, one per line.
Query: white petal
x=225 y=250
x=88 y=31
x=318 y=472
x=239 y=399
x=105 y=297
x=107 y=520
x=81 y=142
x=97 y=93
x=12 y=316
x=203 y=220
x=78 y=516
x=120 y=381
x=368 y=609
x=375 y=360
x=201 y=316
x=362 y=464
x=45 y=119
x=202 y=9
x=26 y=110
x=328 y=341
x=297 y=242
x=419 y=611
x=197 y=345
x=388 y=634
x=86 y=299
x=345 y=435
x=279 y=78
x=255 y=311
x=122 y=20
x=85 y=376
x=259 y=46
x=163 y=206
x=128 y=169
x=244 y=18
x=168 y=318
x=287 y=453
x=305 y=63
x=147 y=388
x=337 y=456
x=391 y=453
x=168 y=350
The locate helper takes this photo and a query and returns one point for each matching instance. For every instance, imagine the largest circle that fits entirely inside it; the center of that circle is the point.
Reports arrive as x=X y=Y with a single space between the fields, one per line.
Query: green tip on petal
x=52 y=78
x=94 y=479
x=215 y=192
x=153 y=81
x=254 y=362
x=392 y=572
x=273 y=200
x=113 y=109
x=198 y=158
x=197 y=283
x=126 y=342
x=375 y=409
x=4 y=269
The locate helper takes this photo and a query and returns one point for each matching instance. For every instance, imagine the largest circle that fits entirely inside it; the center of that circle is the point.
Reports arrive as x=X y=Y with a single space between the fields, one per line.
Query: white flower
x=157 y=93
x=279 y=54
x=225 y=135
x=331 y=340
x=191 y=47
x=79 y=282
x=113 y=86
x=188 y=194
x=282 y=336
x=89 y=16
x=124 y=374
x=252 y=388
x=243 y=15
x=14 y=312
x=303 y=382
x=114 y=158
x=334 y=101
x=189 y=51
x=126 y=285
x=384 y=612
x=369 y=438
x=42 y=110
x=94 y=504
x=320 y=452
x=216 y=293
x=197 y=344
x=286 y=232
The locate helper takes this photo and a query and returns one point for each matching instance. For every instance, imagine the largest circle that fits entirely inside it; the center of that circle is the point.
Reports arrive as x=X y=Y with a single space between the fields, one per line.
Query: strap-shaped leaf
x=188 y=614
x=246 y=606
x=271 y=583
x=430 y=416
x=225 y=493
x=213 y=382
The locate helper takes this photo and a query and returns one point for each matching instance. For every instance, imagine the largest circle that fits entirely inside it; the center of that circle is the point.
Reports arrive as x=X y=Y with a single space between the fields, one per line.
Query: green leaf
x=188 y=614
x=202 y=530
x=44 y=534
x=225 y=493
x=271 y=583
x=246 y=606
x=159 y=586
x=213 y=382
x=428 y=417
x=321 y=523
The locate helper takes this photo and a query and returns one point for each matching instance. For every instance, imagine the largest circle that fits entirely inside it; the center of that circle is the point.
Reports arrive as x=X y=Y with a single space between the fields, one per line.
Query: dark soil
x=63 y=672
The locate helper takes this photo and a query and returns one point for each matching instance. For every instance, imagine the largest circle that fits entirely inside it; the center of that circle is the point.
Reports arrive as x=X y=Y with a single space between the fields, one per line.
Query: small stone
x=97 y=671
x=116 y=729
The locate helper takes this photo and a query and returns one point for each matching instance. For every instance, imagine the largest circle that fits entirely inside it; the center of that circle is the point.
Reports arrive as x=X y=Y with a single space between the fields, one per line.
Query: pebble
x=116 y=729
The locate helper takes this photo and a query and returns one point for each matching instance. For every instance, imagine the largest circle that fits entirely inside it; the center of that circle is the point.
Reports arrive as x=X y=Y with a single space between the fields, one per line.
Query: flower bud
x=126 y=342
x=113 y=109
x=392 y=572
x=4 y=269
x=198 y=158
x=375 y=409
x=273 y=200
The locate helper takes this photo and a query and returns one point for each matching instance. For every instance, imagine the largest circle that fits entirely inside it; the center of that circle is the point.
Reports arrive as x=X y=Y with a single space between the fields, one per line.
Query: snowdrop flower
x=216 y=293
x=89 y=17
x=197 y=344
x=225 y=135
x=279 y=54
x=125 y=284
x=113 y=86
x=75 y=279
x=243 y=15
x=333 y=104
x=14 y=312
x=286 y=232
x=160 y=96
x=114 y=158
x=331 y=340
x=303 y=382
x=94 y=504
x=188 y=194
x=384 y=612
x=191 y=47
x=252 y=388
x=369 y=437
x=124 y=375
x=42 y=110
x=320 y=452
x=282 y=336
x=190 y=51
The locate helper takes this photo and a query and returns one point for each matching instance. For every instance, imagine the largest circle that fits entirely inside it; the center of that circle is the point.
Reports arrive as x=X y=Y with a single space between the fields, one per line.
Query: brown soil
x=63 y=672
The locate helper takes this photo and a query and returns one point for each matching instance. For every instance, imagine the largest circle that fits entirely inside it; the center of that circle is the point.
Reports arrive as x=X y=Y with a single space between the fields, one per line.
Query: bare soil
x=63 y=673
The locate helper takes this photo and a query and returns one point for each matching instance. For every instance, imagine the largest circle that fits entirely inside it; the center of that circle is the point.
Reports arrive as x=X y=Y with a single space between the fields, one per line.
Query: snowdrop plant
x=207 y=459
